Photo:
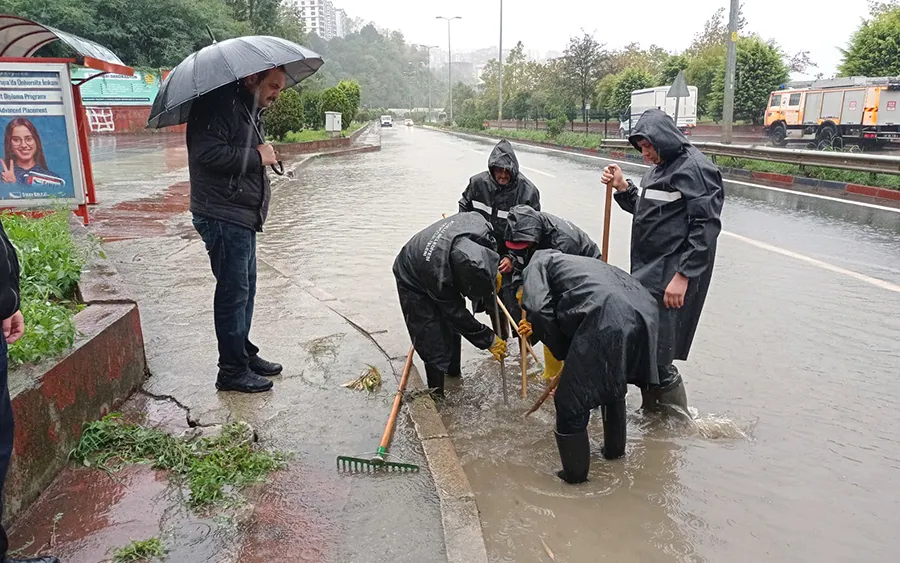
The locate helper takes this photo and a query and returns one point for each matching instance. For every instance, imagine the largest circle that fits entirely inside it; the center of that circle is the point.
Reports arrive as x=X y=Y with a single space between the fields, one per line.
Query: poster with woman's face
x=36 y=159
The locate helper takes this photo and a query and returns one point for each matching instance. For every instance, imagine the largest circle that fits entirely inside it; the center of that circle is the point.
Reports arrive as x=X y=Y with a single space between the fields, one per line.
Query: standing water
x=793 y=373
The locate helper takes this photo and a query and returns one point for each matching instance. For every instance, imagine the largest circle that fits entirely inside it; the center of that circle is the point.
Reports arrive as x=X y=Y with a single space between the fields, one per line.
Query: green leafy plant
x=286 y=114
x=49 y=270
x=139 y=550
x=210 y=467
x=334 y=99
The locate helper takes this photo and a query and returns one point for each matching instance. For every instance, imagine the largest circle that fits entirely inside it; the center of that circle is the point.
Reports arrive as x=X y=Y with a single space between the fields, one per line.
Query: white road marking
x=536 y=171
x=818 y=263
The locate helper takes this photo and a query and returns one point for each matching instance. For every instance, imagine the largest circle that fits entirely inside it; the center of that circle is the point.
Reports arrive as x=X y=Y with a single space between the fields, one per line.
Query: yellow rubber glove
x=498 y=348
x=499 y=282
x=551 y=365
x=525 y=330
x=519 y=295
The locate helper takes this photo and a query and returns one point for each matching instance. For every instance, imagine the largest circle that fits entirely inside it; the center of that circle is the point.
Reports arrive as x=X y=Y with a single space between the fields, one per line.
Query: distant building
x=323 y=19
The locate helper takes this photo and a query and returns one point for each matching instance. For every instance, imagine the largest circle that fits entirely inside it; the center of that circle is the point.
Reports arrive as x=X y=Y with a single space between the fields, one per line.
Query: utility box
x=333 y=124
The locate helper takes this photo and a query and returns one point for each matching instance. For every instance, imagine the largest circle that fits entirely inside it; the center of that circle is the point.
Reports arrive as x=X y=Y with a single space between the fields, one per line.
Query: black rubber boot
x=435 y=379
x=575 y=455
x=675 y=396
x=650 y=399
x=260 y=366
x=613 y=430
x=456 y=357
x=247 y=382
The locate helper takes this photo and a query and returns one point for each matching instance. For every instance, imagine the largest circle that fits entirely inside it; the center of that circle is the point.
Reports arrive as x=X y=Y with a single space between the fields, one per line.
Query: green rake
x=379 y=461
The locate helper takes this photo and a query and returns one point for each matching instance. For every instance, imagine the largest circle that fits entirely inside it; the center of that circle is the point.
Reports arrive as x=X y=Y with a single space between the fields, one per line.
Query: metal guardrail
x=859 y=162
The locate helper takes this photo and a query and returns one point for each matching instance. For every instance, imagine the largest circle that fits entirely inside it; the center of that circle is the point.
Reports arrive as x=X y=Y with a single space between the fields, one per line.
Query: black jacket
x=596 y=318
x=228 y=180
x=449 y=260
x=675 y=227
x=9 y=277
x=493 y=201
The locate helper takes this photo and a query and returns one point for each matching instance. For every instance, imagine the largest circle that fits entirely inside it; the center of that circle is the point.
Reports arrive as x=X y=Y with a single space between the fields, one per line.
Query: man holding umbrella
x=220 y=91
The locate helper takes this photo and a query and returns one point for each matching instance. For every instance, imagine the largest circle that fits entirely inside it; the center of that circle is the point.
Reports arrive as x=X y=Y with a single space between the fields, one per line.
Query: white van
x=655 y=98
x=387 y=121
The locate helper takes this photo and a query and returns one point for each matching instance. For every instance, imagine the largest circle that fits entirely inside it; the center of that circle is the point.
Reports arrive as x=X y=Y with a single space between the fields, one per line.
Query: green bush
x=350 y=88
x=50 y=266
x=313 y=116
x=334 y=99
x=286 y=114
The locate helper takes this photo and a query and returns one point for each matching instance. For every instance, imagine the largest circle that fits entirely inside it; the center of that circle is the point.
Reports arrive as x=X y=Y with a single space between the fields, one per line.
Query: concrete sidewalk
x=311 y=511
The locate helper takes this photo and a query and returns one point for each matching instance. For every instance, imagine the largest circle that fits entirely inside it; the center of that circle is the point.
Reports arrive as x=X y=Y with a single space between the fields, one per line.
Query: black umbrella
x=224 y=63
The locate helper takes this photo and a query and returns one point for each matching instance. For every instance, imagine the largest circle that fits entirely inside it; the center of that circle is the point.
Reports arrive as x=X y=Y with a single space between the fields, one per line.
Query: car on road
x=387 y=121
x=408 y=123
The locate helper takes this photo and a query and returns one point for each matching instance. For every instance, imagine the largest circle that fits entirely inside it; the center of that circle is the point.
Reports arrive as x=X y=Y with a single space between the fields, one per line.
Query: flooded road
x=793 y=372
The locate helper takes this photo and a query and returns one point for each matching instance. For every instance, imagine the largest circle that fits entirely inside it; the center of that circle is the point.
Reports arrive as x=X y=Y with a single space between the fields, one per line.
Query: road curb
x=460 y=518
x=799 y=184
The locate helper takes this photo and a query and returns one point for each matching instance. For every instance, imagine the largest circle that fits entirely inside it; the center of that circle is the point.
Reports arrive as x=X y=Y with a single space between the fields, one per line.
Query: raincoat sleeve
x=465 y=323
x=465 y=202
x=211 y=144
x=704 y=196
x=627 y=199
x=9 y=277
x=541 y=312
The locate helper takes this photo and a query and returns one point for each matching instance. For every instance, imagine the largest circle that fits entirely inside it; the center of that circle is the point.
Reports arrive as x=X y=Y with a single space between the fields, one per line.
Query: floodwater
x=794 y=452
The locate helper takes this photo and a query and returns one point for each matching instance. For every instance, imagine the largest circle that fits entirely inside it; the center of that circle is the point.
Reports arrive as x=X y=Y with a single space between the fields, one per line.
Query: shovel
x=502 y=363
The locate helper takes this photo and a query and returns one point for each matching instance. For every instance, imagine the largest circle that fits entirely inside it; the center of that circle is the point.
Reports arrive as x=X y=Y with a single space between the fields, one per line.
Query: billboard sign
x=117 y=89
x=40 y=157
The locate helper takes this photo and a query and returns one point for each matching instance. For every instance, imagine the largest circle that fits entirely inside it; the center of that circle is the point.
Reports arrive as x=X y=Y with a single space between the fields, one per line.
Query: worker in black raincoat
x=435 y=271
x=493 y=193
x=530 y=230
x=603 y=324
x=673 y=238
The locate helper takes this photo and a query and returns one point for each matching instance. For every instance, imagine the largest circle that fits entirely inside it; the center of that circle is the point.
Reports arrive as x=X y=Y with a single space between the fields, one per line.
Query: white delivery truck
x=655 y=98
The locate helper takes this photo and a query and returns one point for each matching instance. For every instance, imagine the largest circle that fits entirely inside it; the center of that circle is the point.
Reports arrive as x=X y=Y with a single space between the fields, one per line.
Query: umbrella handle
x=279 y=170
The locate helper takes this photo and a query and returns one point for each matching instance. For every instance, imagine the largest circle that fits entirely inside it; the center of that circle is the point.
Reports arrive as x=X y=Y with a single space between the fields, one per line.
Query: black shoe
x=575 y=455
x=248 y=382
x=435 y=379
x=46 y=559
x=613 y=430
x=260 y=366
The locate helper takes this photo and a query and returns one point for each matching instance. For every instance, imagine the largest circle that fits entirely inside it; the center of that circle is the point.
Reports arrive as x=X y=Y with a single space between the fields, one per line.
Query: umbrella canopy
x=224 y=63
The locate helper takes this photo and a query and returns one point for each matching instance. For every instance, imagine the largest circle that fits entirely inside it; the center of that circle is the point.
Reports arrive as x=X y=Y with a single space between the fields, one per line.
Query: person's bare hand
x=612 y=175
x=675 y=291
x=9 y=172
x=267 y=153
x=506 y=265
x=14 y=327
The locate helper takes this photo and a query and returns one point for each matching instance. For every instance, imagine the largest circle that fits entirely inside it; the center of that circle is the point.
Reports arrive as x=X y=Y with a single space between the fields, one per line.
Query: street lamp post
x=430 y=106
x=500 y=81
x=449 y=60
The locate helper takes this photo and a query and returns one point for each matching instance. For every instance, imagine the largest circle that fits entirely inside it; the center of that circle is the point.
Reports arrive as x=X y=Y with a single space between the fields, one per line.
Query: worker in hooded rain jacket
x=530 y=230
x=674 y=231
x=603 y=323
x=493 y=193
x=439 y=267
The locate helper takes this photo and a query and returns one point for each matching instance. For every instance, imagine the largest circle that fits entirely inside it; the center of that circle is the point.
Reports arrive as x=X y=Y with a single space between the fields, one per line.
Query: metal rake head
x=373 y=465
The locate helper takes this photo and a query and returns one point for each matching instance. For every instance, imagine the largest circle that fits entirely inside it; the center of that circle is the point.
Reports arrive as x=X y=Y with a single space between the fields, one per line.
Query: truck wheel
x=825 y=137
x=779 y=135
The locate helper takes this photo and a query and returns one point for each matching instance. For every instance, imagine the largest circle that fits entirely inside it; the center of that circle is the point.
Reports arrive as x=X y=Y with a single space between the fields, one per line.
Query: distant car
x=408 y=123
x=387 y=121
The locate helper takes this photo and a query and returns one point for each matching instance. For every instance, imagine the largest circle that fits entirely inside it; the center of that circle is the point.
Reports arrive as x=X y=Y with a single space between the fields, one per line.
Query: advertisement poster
x=117 y=89
x=40 y=159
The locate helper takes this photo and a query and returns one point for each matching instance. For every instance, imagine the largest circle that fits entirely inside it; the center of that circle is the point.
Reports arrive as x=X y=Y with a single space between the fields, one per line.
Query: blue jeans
x=6 y=435
x=232 y=255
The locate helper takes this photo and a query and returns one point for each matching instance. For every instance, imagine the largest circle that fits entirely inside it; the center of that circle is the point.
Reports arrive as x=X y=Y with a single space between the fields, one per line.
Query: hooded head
x=474 y=269
x=664 y=137
x=525 y=227
x=504 y=158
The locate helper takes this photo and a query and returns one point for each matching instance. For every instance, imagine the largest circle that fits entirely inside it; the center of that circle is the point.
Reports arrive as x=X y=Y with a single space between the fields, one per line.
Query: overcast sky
x=546 y=25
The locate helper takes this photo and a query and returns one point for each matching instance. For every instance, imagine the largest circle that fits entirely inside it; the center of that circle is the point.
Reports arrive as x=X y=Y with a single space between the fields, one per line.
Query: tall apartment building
x=322 y=18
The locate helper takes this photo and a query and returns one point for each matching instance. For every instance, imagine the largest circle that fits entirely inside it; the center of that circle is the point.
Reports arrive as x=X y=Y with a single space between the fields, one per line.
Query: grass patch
x=212 y=468
x=142 y=550
x=889 y=181
x=50 y=267
x=310 y=135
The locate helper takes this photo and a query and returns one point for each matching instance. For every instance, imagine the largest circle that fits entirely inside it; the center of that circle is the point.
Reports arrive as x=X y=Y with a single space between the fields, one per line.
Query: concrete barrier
x=51 y=401
x=294 y=149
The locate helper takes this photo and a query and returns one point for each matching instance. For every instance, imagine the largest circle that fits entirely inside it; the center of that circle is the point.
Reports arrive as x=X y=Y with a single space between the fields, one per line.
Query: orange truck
x=855 y=110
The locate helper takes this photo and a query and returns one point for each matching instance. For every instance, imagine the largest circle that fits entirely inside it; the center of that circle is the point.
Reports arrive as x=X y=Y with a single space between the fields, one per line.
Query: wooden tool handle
x=607 y=215
x=389 y=429
x=553 y=383
x=522 y=342
x=511 y=320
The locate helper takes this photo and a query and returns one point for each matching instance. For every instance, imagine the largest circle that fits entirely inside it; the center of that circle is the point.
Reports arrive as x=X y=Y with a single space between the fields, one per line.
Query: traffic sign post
x=678 y=90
